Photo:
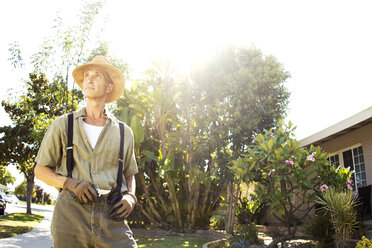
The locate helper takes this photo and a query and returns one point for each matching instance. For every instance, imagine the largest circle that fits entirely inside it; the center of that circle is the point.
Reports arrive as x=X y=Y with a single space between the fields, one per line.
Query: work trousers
x=87 y=225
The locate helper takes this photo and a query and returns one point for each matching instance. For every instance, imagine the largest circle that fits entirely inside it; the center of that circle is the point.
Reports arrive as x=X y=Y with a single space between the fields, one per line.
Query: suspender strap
x=121 y=162
x=69 y=159
x=70 y=136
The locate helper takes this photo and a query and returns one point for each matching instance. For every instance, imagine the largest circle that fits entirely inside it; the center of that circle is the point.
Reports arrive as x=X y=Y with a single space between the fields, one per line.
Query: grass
x=170 y=242
x=18 y=223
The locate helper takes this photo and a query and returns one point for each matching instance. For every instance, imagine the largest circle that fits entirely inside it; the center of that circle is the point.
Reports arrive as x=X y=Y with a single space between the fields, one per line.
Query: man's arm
x=49 y=176
x=123 y=208
x=83 y=190
x=131 y=184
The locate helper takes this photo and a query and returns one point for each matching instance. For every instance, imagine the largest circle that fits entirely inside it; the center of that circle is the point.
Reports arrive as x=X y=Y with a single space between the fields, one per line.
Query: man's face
x=95 y=83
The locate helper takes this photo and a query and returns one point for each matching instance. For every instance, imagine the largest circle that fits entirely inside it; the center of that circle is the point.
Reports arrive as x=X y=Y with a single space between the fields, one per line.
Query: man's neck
x=94 y=113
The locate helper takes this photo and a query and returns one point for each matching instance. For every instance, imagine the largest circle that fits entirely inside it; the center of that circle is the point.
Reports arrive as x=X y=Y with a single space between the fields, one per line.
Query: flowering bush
x=311 y=157
x=323 y=187
x=284 y=171
x=364 y=243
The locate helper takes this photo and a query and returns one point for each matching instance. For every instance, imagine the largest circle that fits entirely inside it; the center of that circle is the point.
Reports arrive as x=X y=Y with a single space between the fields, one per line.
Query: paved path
x=39 y=237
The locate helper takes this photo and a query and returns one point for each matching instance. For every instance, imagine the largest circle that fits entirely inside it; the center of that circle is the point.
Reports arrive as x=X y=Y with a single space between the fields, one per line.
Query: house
x=349 y=144
x=3 y=188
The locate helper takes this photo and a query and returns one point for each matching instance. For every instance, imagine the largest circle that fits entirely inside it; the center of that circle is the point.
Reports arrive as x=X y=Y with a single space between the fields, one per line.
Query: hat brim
x=116 y=75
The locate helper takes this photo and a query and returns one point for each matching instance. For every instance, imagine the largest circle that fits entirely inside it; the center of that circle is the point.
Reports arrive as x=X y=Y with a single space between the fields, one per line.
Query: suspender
x=121 y=162
x=70 y=136
x=70 y=161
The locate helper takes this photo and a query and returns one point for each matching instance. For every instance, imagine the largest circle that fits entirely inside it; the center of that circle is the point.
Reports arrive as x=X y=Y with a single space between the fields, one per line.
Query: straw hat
x=115 y=74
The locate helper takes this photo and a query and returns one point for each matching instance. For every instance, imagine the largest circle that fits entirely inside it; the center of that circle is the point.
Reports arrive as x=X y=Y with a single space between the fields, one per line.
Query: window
x=359 y=167
x=352 y=158
x=335 y=161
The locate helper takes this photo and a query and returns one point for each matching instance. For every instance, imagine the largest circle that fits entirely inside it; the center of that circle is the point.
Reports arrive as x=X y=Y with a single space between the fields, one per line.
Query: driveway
x=39 y=237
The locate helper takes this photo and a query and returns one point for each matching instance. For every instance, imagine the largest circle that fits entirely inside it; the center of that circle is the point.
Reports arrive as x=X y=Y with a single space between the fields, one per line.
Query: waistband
x=71 y=196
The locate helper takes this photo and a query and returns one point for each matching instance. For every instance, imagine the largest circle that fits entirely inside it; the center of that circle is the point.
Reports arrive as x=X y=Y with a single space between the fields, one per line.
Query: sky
x=324 y=45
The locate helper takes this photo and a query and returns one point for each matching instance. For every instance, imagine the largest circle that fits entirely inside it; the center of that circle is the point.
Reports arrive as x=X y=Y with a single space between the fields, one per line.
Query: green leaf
x=270 y=144
x=264 y=146
x=138 y=130
x=150 y=155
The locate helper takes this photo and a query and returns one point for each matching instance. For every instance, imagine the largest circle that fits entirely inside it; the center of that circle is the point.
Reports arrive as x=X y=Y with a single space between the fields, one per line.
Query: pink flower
x=311 y=157
x=293 y=157
x=253 y=141
x=349 y=186
x=323 y=187
x=350 y=181
x=285 y=131
x=289 y=162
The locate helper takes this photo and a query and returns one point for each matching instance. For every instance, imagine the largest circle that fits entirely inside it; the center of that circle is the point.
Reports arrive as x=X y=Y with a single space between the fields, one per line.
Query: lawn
x=170 y=242
x=15 y=224
x=18 y=223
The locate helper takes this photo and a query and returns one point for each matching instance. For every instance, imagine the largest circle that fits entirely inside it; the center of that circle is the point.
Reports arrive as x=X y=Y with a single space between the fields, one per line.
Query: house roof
x=354 y=122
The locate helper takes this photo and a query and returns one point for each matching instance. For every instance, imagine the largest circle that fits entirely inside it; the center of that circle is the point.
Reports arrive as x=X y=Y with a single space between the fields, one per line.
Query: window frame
x=341 y=159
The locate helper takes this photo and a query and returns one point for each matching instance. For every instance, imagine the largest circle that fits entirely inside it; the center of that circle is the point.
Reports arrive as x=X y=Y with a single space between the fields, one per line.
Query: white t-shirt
x=92 y=132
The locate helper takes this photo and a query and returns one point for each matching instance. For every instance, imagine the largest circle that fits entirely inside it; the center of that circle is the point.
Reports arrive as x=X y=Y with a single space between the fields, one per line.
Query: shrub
x=341 y=207
x=242 y=243
x=217 y=222
x=283 y=171
x=249 y=232
x=364 y=243
x=247 y=235
x=249 y=210
x=320 y=228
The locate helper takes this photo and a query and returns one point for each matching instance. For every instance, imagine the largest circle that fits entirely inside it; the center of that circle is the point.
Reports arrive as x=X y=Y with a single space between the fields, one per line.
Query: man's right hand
x=83 y=190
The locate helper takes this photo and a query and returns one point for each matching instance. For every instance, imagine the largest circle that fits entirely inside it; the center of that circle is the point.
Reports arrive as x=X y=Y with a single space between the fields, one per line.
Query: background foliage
x=287 y=177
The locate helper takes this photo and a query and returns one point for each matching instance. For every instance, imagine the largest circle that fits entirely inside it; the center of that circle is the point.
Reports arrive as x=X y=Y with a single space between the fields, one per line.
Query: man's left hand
x=123 y=208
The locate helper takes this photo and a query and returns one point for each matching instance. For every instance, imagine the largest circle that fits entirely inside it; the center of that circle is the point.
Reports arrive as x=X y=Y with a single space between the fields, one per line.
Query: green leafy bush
x=249 y=210
x=242 y=243
x=217 y=222
x=246 y=235
x=288 y=177
x=320 y=228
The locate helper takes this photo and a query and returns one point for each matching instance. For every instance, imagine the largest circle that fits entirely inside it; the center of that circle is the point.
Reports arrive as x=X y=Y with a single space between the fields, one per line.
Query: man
x=91 y=206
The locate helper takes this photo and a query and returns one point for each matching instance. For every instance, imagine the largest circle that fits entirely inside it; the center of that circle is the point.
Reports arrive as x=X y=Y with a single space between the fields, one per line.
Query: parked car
x=2 y=206
x=11 y=199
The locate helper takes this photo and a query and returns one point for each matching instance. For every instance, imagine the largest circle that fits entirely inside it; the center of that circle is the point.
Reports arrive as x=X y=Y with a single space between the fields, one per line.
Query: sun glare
x=188 y=33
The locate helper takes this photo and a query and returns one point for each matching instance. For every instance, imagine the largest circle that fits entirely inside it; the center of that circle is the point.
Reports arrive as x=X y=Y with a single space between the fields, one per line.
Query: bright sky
x=325 y=45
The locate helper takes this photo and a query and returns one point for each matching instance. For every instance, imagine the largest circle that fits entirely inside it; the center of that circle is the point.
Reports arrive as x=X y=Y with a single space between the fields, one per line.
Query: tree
x=239 y=93
x=288 y=177
x=31 y=116
x=189 y=127
x=176 y=187
x=5 y=176
x=21 y=189
x=41 y=196
x=44 y=100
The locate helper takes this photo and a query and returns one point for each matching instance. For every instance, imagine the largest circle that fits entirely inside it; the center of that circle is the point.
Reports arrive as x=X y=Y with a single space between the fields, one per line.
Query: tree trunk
x=174 y=200
x=30 y=187
x=283 y=238
x=156 y=223
x=146 y=192
x=232 y=201
x=194 y=203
